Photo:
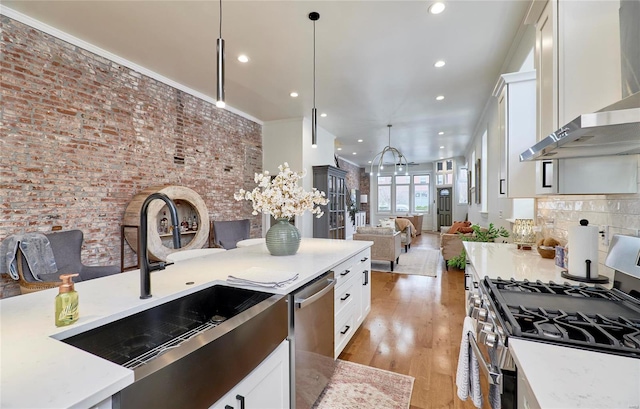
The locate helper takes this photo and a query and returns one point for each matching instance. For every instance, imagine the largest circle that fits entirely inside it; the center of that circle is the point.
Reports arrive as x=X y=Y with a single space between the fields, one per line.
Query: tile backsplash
x=621 y=213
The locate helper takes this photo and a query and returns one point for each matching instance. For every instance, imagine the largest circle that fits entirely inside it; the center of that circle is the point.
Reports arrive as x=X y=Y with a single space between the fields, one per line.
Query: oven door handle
x=494 y=377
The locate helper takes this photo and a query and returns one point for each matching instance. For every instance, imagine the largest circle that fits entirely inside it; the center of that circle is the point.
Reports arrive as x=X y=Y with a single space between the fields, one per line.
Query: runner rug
x=418 y=261
x=355 y=386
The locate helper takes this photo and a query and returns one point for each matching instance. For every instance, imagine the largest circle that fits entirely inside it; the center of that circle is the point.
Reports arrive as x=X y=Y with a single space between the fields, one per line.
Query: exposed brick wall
x=353 y=173
x=365 y=189
x=81 y=135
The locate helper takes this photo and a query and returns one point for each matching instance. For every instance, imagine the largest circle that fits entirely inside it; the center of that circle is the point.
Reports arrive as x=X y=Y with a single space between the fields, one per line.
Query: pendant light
x=399 y=160
x=220 y=64
x=314 y=16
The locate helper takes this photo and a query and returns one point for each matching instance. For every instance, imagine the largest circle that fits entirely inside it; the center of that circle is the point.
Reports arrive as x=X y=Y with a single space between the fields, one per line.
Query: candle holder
x=523 y=234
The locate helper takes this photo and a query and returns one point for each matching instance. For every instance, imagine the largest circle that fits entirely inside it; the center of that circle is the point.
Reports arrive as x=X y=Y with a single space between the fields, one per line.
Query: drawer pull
x=228 y=407
x=364 y=259
x=345 y=297
x=345 y=272
x=346 y=329
x=366 y=277
x=466 y=286
x=240 y=399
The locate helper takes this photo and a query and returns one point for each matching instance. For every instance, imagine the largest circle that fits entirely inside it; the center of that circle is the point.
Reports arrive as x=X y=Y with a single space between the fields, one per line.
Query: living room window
x=404 y=194
x=384 y=194
x=403 y=187
x=421 y=190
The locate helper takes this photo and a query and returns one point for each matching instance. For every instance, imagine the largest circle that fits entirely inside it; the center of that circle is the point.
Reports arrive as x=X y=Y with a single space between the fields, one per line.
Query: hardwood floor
x=414 y=328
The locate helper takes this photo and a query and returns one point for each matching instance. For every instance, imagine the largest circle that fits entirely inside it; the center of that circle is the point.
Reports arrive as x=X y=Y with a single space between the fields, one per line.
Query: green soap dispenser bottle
x=66 y=302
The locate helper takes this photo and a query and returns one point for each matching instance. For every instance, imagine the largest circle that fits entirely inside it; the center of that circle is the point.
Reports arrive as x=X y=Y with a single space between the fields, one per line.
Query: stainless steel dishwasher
x=311 y=336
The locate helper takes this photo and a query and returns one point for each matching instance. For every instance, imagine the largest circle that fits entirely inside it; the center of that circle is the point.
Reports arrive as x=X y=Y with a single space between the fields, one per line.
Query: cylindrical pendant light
x=220 y=66
x=314 y=16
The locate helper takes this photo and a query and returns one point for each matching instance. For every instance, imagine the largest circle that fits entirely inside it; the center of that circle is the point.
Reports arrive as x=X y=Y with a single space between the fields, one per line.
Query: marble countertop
x=507 y=261
x=559 y=377
x=39 y=371
x=575 y=378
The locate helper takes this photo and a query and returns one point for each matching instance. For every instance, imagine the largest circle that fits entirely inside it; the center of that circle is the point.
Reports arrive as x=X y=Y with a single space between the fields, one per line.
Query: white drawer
x=345 y=326
x=345 y=294
x=343 y=272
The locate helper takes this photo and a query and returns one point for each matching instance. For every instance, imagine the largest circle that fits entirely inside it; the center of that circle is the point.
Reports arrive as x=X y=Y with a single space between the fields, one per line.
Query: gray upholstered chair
x=226 y=234
x=386 y=243
x=66 y=247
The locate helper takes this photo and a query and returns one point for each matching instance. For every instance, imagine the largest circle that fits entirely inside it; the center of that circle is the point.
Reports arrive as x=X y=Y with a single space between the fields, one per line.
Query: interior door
x=444 y=207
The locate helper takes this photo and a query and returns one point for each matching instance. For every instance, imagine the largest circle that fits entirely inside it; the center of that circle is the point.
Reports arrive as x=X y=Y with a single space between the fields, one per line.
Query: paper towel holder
x=600 y=279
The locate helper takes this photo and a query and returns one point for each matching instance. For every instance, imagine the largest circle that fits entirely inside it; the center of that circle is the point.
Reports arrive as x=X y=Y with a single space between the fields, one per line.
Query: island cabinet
x=331 y=180
x=578 y=71
x=352 y=297
x=267 y=386
x=516 y=94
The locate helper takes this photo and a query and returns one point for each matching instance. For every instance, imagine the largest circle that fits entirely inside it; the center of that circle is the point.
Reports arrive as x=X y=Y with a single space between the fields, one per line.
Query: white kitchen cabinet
x=352 y=295
x=516 y=93
x=578 y=71
x=266 y=387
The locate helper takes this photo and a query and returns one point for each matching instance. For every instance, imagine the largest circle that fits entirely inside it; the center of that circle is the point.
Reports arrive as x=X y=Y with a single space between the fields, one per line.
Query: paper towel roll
x=583 y=246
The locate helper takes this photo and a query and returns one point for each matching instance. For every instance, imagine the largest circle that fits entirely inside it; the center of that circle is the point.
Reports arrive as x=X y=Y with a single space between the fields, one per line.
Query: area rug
x=355 y=386
x=424 y=262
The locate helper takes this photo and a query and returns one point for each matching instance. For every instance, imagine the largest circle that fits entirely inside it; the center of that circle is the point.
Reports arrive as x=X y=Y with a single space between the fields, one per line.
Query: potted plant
x=480 y=235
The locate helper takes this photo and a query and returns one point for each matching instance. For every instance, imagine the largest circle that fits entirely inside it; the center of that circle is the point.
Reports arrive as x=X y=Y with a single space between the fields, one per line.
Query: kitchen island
x=39 y=371
x=553 y=376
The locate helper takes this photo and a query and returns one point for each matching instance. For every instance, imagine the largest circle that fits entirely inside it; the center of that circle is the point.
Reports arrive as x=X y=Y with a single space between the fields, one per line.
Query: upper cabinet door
x=546 y=61
x=577 y=59
x=589 y=57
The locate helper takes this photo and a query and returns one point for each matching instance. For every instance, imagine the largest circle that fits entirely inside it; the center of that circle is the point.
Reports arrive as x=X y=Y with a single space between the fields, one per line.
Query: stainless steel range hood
x=614 y=130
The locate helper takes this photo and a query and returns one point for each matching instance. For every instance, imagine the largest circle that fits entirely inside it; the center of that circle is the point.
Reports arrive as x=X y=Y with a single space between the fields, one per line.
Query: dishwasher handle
x=303 y=302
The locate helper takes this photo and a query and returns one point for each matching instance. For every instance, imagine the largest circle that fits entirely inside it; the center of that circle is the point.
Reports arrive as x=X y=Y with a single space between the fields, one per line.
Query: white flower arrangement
x=282 y=197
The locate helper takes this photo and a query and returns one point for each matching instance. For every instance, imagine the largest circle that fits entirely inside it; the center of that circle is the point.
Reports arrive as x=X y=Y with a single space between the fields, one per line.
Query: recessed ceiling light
x=436 y=8
x=323 y=115
x=294 y=94
x=353 y=153
x=439 y=64
x=442 y=147
x=359 y=140
x=339 y=149
x=440 y=133
x=439 y=97
x=243 y=58
x=369 y=162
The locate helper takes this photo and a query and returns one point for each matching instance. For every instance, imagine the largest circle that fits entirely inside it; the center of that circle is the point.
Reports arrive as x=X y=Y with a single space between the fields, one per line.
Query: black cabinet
x=330 y=180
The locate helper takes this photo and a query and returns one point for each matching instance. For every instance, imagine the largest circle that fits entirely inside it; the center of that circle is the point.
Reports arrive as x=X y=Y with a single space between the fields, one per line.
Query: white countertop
x=559 y=377
x=507 y=261
x=38 y=371
x=575 y=378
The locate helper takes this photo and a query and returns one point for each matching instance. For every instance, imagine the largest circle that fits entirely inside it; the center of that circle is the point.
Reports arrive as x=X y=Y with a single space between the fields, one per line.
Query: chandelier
x=394 y=156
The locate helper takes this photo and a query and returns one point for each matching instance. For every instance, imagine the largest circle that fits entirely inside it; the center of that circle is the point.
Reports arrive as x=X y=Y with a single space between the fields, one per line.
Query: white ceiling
x=374 y=60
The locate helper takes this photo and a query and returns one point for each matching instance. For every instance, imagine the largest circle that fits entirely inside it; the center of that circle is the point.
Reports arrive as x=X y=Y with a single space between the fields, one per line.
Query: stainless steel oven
x=578 y=316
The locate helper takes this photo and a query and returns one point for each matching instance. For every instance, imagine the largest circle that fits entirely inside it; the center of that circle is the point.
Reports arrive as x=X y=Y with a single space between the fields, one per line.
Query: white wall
x=289 y=140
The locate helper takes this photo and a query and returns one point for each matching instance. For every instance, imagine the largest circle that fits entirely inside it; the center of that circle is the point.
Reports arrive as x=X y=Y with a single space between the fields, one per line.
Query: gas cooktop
x=595 y=318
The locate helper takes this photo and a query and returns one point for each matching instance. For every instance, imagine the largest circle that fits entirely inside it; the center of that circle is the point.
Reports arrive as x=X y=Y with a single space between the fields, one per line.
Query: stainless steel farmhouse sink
x=187 y=353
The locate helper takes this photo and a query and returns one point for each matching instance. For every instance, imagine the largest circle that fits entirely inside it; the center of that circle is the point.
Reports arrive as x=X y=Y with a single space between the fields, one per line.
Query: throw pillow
x=465 y=230
x=391 y=223
x=457 y=225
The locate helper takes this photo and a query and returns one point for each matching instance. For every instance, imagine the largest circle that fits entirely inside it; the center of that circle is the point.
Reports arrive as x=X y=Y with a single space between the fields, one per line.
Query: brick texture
x=81 y=135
